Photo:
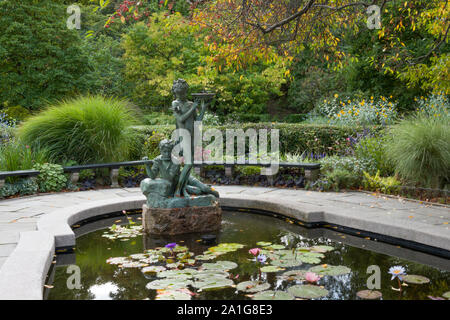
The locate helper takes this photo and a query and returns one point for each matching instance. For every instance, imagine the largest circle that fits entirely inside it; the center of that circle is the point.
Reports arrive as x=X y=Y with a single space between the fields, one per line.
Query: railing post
x=312 y=174
x=114 y=178
x=199 y=170
x=74 y=176
x=229 y=170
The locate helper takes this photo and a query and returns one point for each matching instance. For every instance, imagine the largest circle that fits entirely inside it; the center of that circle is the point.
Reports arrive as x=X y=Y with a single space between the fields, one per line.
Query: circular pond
x=118 y=262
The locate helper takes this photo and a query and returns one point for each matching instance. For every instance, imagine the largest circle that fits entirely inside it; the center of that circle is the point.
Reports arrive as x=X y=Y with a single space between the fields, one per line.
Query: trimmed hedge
x=294 y=137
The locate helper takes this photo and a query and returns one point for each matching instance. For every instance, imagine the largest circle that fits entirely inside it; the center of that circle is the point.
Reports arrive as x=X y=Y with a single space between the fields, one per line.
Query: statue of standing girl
x=185 y=113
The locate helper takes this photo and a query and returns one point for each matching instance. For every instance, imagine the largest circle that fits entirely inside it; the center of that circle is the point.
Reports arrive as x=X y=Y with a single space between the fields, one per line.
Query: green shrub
x=373 y=150
x=388 y=185
x=151 y=146
x=17 y=112
x=419 y=149
x=51 y=177
x=158 y=118
x=351 y=164
x=248 y=170
x=16 y=156
x=88 y=129
x=22 y=187
x=295 y=138
x=343 y=179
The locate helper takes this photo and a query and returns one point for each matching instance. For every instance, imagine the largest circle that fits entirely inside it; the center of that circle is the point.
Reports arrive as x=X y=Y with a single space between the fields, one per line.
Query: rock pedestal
x=174 y=221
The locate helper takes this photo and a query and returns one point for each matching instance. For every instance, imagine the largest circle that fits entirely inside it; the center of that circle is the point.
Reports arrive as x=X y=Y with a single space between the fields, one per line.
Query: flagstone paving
x=22 y=214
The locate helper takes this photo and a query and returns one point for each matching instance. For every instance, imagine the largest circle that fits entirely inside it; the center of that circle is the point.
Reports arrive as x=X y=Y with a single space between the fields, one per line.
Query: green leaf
x=219 y=265
x=252 y=286
x=286 y=263
x=329 y=270
x=415 y=279
x=369 y=294
x=294 y=275
x=169 y=283
x=264 y=243
x=213 y=283
x=271 y=269
x=273 y=295
x=307 y=291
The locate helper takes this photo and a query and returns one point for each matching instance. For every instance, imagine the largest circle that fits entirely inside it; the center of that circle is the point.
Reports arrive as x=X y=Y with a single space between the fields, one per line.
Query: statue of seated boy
x=160 y=192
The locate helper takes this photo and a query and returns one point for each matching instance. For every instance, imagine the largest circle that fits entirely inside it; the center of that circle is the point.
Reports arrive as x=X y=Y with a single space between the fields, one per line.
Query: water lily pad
x=187 y=273
x=294 y=275
x=226 y=247
x=310 y=257
x=310 y=260
x=149 y=260
x=185 y=255
x=329 y=270
x=271 y=269
x=312 y=254
x=117 y=260
x=446 y=295
x=308 y=291
x=220 y=265
x=178 y=294
x=415 y=279
x=205 y=274
x=168 y=283
x=153 y=269
x=180 y=248
x=133 y=264
x=174 y=265
x=286 y=263
x=322 y=249
x=263 y=243
x=252 y=286
x=369 y=294
x=212 y=283
x=206 y=257
x=274 y=247
x=303 y=249
x=138 y=256
x=273 y=295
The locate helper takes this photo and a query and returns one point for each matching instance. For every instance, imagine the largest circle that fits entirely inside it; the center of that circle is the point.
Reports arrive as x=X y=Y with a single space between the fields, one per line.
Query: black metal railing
x=311 y=169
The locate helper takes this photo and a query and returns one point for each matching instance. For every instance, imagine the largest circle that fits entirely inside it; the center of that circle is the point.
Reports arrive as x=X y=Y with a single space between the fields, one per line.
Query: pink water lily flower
x=311 y=277
x=254 y=251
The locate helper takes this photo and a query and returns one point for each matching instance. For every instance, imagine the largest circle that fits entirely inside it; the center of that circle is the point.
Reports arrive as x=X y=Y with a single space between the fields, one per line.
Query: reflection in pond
x=100 y=280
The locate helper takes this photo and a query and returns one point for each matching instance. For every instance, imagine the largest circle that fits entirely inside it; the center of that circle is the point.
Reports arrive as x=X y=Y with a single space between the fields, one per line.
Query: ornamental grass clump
x=419 y=150
x=90 y=129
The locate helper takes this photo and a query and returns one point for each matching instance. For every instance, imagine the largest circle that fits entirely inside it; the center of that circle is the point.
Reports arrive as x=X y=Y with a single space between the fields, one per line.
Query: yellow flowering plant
x=435 y=106
x=362 y=112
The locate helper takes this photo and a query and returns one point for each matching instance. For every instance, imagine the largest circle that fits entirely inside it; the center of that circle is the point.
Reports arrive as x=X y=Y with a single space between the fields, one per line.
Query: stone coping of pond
x=24 y=269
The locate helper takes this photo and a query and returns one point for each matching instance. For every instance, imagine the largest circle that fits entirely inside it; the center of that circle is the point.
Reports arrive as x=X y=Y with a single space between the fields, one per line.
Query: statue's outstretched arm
x=152 y=171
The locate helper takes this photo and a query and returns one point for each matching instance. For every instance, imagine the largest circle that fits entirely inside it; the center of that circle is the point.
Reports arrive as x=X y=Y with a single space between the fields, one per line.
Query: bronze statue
x=174 y=189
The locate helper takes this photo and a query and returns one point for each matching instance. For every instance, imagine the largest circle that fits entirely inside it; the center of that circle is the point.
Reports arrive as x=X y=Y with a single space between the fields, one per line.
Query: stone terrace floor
x=22 y=214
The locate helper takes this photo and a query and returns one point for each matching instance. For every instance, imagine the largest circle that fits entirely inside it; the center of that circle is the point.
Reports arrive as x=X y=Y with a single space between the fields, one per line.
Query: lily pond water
x=254 y=257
